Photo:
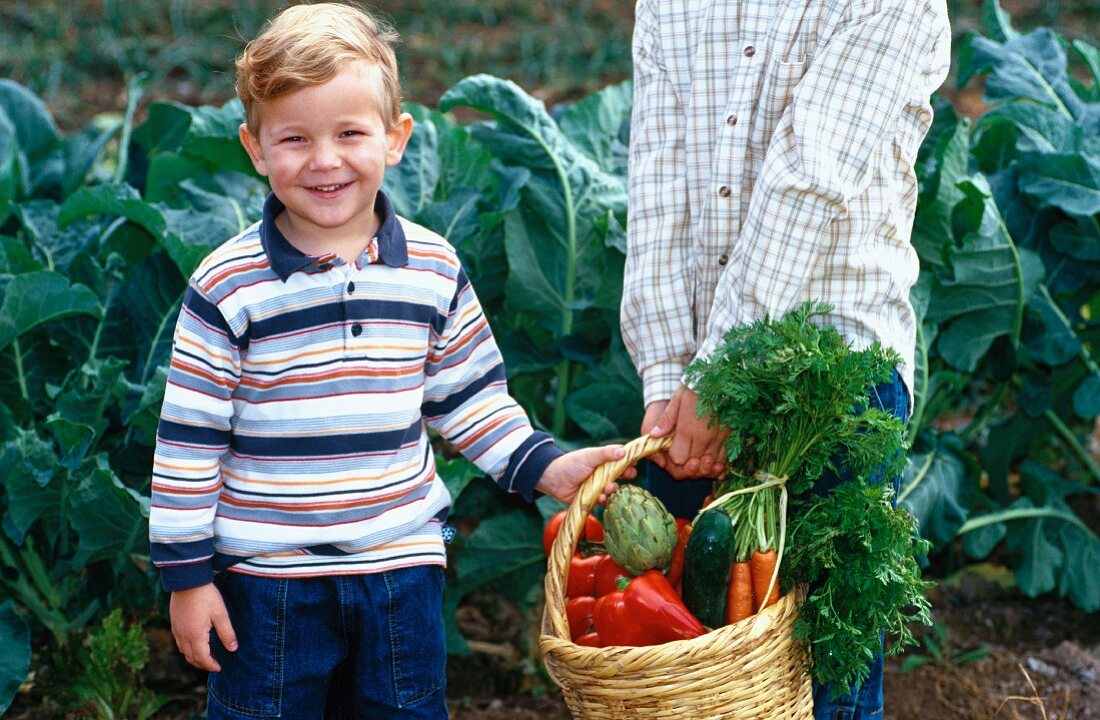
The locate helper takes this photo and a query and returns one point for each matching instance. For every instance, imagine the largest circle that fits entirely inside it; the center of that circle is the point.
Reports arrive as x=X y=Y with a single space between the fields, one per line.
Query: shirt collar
x=286 y=259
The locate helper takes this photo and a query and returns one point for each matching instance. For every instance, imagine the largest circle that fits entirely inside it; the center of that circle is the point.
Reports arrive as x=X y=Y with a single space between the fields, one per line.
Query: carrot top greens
x=796 y=399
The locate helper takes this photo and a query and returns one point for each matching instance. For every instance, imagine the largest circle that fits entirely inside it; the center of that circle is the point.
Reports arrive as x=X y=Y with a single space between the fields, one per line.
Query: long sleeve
x=466 y=400
x=656 y=314
x=193 y=434
x=858 y=113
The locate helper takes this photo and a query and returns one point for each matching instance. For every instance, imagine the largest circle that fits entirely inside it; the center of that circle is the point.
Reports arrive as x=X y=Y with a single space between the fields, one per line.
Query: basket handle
x=557 y=572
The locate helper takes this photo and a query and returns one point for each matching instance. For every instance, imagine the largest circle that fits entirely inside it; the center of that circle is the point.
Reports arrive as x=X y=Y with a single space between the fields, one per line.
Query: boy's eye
x=293 y=138
x=350 y=133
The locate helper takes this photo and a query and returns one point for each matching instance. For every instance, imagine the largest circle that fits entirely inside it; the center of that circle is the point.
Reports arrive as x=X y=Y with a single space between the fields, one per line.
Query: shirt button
x=724 y=259
x=351 y=288
x=357 y=330
x=725 y=191
x=749 y=51
x=731 y=120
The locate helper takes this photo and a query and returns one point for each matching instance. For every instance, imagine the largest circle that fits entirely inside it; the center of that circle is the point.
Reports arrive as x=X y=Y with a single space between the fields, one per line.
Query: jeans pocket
x=417 y=645
x=250 y=682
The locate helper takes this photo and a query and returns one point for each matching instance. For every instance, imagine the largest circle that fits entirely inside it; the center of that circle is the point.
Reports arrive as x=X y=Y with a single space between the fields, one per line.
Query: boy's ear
x=252 y=147
x=399 y=136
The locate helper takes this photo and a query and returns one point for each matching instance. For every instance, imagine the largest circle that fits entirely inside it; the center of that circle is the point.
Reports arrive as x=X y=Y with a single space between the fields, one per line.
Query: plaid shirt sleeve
x=867 y=86
x=657 y=325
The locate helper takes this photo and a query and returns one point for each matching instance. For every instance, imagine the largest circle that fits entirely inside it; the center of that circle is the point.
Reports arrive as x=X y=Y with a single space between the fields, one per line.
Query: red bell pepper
x=652 y=602
x=646 y=611
x=578 y=611
x=615 y=624
x=607 y=576
x=676 y=566
x=590 y=639
x=582 y=575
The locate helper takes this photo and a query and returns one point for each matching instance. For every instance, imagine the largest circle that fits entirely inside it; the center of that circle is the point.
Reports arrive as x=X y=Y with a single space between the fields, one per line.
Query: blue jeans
x=684 y=498
x=350 y=646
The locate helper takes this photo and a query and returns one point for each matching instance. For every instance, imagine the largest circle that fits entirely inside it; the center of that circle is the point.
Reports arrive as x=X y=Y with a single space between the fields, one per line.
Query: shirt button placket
x=356 y=328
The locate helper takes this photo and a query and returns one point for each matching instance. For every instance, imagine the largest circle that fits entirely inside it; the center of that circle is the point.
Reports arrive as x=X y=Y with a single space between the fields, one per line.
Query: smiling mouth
x=329 y=188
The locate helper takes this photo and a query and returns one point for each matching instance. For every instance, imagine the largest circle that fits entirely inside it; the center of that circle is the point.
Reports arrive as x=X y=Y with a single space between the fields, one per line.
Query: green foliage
x=565 y=277
x=91 y=276
x=75 y=55
x=859 y=554
x=940 y=651
x=1008 y=232
x=795 y=398
x=15 y=653
x=109 y=685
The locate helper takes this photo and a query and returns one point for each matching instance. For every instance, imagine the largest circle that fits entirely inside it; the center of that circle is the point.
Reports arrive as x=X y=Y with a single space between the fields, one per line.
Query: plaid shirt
x=771 y=162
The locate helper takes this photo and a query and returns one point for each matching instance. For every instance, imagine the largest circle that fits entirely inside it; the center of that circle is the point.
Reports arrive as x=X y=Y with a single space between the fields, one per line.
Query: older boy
x=296 y=510
x=771 y=162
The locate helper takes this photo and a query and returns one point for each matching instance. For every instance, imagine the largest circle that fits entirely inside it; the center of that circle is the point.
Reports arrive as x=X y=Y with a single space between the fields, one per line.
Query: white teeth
x=328 y=188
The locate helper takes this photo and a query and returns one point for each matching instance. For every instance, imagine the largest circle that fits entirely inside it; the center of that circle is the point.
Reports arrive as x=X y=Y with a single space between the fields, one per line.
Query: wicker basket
x=752 y=670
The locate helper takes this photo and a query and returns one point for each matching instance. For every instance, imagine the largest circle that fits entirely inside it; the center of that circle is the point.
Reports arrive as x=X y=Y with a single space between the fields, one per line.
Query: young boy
x=296 y=511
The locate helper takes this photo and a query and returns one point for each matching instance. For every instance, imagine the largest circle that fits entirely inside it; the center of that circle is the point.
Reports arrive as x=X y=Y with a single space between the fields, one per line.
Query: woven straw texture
x=752 y=670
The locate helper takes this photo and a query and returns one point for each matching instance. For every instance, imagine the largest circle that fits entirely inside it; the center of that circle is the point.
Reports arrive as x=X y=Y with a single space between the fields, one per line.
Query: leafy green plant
x=91 y=274
x=938 y=650
x=795 y=398
x=109 y=685
x=1007 y=231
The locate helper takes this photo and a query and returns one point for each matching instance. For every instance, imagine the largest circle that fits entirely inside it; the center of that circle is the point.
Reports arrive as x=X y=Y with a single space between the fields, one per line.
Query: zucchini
x=708 y=560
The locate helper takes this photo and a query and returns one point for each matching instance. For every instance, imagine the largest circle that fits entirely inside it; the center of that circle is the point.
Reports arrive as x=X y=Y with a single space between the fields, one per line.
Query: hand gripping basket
x=752 y=670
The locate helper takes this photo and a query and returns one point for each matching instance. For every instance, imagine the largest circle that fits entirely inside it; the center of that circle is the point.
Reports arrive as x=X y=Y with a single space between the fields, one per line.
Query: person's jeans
x=684 y=498
x=350 y=646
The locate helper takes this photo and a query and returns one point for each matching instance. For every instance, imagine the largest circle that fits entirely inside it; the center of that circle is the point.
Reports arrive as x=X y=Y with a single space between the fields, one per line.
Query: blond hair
x=306 y=45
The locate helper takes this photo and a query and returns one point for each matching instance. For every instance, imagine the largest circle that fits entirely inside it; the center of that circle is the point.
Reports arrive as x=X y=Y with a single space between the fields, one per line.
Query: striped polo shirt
x=293 y=439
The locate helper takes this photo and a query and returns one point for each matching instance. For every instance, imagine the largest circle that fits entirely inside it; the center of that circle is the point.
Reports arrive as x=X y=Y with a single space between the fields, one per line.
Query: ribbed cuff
x=528 y=463
x=185 y=577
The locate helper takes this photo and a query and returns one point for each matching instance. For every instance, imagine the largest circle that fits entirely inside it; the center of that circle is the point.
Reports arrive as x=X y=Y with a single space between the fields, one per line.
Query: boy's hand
x=193 y=612
x=563 y=477
x=697 y=450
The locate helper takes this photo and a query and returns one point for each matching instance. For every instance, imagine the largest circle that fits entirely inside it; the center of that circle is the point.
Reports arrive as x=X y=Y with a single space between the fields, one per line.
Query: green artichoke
x=639 y=533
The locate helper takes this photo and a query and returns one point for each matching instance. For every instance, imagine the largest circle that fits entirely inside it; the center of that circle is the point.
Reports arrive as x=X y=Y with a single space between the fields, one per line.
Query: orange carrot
x=763 y=565
x=739 y=598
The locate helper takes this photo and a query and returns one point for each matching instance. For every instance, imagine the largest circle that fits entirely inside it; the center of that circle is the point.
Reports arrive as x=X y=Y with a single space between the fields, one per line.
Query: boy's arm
x=869 y=83
x=656 y=308
x=193 y=434
x=466 y=399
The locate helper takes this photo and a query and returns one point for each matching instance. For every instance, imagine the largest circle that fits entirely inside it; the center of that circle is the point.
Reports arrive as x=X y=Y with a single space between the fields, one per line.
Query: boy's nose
x=324 y=157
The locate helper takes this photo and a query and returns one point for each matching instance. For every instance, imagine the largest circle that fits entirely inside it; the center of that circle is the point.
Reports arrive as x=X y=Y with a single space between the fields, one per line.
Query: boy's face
x=324 y=149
